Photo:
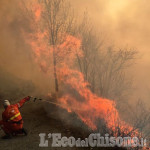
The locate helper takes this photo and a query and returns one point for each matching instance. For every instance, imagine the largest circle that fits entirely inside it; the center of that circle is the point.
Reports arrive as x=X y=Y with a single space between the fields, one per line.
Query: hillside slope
x=36 y=120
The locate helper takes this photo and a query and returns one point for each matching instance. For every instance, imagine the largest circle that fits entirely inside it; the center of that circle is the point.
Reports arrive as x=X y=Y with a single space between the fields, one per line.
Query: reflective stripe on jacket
x=15 y=116
x=12 y=113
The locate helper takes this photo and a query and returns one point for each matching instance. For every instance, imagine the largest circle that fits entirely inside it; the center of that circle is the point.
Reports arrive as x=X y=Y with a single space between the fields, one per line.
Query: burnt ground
x=37 y=120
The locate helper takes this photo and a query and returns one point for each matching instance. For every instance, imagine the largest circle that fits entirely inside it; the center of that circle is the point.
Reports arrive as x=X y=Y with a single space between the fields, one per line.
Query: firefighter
x=12 y=123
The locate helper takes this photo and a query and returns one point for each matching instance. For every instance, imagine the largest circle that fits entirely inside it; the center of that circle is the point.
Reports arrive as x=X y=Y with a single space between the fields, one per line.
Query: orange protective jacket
x=12 y=113
x=11 y=116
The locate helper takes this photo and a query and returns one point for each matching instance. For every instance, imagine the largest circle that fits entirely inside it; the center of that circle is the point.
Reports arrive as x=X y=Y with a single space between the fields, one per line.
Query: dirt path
x=36 y=120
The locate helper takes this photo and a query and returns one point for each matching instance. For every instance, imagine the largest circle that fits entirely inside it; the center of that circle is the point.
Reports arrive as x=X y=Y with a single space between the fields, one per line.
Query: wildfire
x=90 y=108
x=76 y=96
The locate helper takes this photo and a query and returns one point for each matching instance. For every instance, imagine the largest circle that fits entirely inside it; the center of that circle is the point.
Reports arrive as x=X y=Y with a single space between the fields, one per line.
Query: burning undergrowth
x=74 y=94
x=91 y=109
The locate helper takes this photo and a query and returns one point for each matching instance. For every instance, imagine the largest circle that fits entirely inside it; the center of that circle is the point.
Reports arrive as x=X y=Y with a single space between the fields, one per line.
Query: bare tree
x=91 y=44
x=104 y=67
x=140 y=118
x=58 y=22
x=111 y=68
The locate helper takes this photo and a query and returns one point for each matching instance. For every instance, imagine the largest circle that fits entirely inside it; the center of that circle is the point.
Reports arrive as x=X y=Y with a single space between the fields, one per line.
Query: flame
x=88 y=106
x=76 y=96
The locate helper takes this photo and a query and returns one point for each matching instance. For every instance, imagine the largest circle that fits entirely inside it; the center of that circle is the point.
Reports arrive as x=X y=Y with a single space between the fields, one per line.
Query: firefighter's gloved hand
x=27 y=98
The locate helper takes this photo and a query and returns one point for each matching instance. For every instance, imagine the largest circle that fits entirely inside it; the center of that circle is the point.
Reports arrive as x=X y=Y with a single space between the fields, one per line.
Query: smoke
x=125 y=23
x=12 y=46
x=16 y=58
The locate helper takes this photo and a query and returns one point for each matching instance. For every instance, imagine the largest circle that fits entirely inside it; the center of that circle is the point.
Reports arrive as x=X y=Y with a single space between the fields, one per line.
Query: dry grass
x=36 y=121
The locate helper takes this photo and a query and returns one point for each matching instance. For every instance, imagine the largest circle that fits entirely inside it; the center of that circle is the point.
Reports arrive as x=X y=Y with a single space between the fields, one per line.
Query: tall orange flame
x=76 y=96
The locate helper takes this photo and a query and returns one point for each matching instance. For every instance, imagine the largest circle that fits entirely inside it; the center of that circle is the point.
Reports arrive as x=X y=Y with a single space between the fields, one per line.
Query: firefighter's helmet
x=6 y=103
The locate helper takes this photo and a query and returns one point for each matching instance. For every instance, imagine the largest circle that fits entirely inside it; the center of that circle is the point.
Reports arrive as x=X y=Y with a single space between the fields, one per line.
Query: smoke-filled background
x=19 y=73
x=125 y=23
x=100 y=58
x=122 y=23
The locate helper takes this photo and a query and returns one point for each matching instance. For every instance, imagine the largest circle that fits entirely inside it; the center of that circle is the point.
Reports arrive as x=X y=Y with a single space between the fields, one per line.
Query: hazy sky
x=124 y=22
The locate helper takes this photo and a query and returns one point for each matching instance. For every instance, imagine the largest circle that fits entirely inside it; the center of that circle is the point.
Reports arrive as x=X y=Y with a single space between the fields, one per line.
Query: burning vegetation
x=89 y=76
x=64 y=48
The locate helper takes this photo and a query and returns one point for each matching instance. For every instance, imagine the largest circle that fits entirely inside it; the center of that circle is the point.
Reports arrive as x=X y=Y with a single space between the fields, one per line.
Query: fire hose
x=56 y=104
x=43 y=100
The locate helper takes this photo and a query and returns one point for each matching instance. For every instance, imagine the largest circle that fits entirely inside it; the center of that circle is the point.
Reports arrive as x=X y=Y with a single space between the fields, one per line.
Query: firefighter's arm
x=21 y=102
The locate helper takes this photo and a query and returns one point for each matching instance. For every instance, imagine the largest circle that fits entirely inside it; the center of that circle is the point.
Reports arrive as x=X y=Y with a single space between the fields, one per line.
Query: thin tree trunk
x=55 y=70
